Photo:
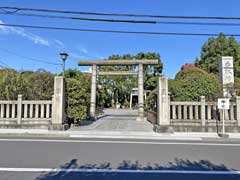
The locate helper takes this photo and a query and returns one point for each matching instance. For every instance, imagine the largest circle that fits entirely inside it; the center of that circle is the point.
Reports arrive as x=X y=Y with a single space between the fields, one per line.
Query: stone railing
x=203 y=113
x=201 y=116
x=23 y=112
x=36 y=113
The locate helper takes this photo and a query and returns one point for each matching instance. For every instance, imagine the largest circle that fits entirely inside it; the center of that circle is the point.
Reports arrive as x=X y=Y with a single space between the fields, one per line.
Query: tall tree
x=214 y=48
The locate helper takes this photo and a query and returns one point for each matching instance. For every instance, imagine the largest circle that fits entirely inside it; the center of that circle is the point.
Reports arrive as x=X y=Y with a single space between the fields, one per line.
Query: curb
x=117 y=135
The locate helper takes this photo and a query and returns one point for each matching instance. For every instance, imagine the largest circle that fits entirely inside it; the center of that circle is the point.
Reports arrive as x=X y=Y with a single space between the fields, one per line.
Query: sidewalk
x=114 y=134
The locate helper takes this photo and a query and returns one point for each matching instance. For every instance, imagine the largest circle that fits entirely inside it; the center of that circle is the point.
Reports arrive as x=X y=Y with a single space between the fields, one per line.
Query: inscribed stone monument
x=226 y=75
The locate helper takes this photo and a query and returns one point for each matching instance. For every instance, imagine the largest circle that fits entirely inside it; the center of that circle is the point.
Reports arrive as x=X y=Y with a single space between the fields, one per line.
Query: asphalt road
x=54 y=158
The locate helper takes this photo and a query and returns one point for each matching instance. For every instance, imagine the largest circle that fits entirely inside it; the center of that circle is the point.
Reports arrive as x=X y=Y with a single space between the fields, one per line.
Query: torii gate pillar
x=140 y=94
x=93 y=92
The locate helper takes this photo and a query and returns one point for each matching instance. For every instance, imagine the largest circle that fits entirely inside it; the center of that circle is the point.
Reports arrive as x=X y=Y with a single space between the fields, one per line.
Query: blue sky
x=46 y=44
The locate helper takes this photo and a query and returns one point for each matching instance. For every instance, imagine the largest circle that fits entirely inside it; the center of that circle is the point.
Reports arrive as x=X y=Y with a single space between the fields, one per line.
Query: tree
x=40 y=85
x=214 y=48
x=191 y=83
x=151 y=72
x=12 y=83
x=77 y=95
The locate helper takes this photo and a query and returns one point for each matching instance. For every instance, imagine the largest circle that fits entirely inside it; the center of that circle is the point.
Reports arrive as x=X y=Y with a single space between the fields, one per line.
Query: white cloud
x=83 y=50
x=21 y=32
x=59 y=44
x=75 y=55
x=88 y=71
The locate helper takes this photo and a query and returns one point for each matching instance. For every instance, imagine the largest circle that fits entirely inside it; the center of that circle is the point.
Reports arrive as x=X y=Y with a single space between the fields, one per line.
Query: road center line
x=120 y=142
x=5 y=169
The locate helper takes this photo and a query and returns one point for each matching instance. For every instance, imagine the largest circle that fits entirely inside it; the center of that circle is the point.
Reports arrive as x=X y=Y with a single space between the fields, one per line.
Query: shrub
x=191 y=83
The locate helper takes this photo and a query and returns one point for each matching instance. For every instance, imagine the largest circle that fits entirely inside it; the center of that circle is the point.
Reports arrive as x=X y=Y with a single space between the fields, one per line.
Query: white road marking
x=120 y=142
x=5 y=169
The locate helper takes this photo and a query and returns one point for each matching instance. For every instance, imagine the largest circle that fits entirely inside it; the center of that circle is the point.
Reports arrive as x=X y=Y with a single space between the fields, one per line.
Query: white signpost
x=223 y=104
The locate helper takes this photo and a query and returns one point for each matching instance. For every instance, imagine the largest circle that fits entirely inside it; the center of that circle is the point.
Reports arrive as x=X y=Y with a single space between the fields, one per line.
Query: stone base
x=163 y=129
x=24 y=126
x=58 y=127
x=141 y=119
x=215 y=129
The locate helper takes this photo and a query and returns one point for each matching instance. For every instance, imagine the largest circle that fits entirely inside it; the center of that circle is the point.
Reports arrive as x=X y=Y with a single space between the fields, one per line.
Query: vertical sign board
x=226 y=74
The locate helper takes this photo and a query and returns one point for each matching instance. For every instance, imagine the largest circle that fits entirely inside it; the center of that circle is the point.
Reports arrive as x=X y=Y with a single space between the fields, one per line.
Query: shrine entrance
x=139 y=73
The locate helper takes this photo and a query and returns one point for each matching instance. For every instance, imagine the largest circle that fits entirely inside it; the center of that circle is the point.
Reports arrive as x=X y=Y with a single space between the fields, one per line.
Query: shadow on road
x=105 y=171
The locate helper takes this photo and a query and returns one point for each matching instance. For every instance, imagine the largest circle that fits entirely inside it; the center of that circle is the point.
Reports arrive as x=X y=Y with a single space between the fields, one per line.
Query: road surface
x=29 y=158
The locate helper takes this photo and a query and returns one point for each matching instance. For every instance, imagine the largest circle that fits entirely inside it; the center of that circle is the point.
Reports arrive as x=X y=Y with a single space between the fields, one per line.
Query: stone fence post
x=238 y=109
x=19 y=109
x=163 y=120
x=203 y=110
x=58 y=105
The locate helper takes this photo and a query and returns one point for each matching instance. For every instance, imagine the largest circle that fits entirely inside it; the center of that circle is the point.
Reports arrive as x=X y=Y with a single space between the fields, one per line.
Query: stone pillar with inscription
x=226 y=76
x=58 y=105
x=163 y=107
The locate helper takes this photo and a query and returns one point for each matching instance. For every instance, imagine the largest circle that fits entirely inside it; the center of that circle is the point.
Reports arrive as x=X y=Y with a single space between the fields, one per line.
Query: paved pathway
x=117 y=120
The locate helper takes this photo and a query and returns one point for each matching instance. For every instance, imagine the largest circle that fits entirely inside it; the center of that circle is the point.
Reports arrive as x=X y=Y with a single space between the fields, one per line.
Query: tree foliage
x=191 y=83
x=40 y=84
x=77 y=95
x=12 y=83
x=214 y=48
x=32 y=85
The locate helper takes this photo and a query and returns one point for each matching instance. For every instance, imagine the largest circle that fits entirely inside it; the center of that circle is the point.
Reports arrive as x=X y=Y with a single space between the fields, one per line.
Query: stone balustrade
x=201 y=113
x=48 y=114
x=199 y=116
x=23 y=112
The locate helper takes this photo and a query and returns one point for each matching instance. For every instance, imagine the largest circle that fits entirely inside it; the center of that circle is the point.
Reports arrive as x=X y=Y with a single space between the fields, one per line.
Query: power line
x=118 y=14
x=4 y=64
x=28 y=58
x=82 y=19
x=123 y=20
x=115 y=31
x=3 y=67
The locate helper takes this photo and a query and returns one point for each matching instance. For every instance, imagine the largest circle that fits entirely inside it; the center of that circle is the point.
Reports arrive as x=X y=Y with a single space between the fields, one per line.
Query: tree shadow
x=135 y=170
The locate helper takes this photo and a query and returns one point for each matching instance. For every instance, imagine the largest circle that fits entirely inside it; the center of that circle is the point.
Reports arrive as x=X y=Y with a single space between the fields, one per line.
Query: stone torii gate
x=139 y=63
